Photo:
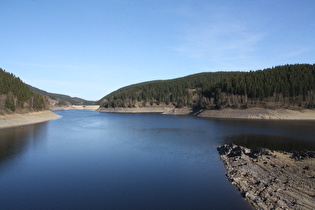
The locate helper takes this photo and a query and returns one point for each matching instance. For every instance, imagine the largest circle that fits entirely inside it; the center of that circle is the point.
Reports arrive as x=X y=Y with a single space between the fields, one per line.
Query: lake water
x=91 y=160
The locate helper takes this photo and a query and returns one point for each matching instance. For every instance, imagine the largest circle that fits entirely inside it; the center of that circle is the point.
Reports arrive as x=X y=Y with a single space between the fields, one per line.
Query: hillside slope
x=15 y=95
x=288 y=86
x=178 y=92
x=56 y=99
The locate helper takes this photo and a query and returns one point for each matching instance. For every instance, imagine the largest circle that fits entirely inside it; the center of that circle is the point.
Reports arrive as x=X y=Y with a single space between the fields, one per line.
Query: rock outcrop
x=271 y=179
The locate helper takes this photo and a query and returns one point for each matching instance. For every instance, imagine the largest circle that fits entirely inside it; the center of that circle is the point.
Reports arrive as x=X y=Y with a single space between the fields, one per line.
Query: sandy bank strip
x=75 y=107
x=15 y=120
x=251 y=113
x=143 y=110
x=260 y=113
x=271 y=179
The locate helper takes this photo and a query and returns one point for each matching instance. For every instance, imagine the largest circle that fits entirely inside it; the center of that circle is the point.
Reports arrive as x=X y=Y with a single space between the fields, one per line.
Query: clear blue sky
x=89 y=48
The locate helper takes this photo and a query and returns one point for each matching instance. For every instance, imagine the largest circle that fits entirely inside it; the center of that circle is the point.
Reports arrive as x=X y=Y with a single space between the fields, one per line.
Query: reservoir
x=92 y=160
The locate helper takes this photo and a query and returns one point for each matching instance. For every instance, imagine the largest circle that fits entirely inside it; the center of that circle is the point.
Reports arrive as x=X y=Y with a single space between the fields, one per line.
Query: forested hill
x=288 y=86
x=178 y=92
x=15 y=95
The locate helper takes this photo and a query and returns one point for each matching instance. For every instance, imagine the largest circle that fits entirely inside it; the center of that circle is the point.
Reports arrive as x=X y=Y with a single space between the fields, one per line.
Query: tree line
x=281 y=86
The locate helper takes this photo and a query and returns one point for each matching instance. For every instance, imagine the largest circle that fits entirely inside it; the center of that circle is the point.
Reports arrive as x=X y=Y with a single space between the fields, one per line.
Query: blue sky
x=89 y=48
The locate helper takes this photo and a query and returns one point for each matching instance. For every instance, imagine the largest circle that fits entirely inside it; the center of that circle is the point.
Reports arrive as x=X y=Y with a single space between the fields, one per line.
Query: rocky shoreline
x=271 y=179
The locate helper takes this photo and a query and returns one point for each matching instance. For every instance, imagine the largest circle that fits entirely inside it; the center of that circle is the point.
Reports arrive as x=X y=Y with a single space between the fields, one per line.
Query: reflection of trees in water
x=13 y=141
x=271 y=142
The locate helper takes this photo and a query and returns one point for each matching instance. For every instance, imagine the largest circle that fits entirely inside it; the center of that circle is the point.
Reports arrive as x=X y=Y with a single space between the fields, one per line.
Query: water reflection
x=13 y=141
x=283 y=135
x=271 y=142
x=290 y=129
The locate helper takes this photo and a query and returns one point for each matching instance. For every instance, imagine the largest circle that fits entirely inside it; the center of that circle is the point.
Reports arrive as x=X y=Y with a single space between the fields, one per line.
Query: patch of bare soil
x=271 y=179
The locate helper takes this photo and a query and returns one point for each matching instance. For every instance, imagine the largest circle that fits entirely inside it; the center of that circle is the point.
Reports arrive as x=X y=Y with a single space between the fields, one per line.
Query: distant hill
x=15 y=95
x=288 y=86
x=60 y=99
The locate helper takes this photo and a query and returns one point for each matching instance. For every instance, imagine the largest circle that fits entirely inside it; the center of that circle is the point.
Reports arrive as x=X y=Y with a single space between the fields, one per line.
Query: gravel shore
x=271 y=179
x=15 y=120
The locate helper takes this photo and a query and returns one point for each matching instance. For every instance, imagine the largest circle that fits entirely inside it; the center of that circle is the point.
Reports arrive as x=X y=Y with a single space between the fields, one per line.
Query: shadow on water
x=14 y=141
x=291 y=128
x=273 y=142
x=272 y=134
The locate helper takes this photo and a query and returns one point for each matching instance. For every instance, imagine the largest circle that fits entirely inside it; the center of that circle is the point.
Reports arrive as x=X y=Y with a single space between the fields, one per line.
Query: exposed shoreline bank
x=15 y=120
x=271 y=179
x=260 y=113
x=75 y=107
x=251 y=113
x=144 y=110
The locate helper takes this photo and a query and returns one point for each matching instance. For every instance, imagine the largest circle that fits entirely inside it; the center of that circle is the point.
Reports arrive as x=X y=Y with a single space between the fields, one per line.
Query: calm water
x=91 y=160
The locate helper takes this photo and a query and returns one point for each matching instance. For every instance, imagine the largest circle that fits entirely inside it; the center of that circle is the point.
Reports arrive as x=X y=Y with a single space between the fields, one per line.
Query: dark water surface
x=91 y=160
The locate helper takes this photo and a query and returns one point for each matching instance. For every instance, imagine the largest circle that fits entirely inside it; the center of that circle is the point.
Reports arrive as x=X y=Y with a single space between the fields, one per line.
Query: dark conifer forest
x=15 y=95
x=287 y=86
